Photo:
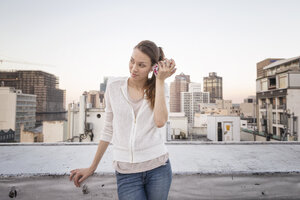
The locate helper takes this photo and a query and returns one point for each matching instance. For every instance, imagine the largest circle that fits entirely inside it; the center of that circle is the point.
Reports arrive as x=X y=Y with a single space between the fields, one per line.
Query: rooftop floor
x=210 y=170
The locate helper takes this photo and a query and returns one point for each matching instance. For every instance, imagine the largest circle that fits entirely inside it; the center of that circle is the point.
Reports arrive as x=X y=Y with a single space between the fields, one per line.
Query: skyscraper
x=103 y=85
x=213 y=84
x=180 y=84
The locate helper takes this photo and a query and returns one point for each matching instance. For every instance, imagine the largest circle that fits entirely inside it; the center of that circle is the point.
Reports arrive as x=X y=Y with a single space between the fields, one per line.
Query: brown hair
x=156 y=54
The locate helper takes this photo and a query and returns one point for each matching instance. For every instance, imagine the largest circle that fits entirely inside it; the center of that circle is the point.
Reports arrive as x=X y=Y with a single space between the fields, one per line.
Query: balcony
x=281 y=106
x=264 y=106
x=272 y=87
x=211 y=170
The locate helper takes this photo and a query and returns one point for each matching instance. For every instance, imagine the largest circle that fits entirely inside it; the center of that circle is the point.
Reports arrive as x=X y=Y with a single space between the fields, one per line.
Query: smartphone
x=155 y=69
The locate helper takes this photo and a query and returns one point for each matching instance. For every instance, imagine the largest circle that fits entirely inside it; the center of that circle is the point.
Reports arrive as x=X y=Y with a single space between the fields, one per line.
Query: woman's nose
x=134 y=67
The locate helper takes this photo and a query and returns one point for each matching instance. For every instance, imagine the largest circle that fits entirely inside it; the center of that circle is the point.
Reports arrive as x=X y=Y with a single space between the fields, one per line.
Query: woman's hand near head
x=80 y=175
x=166 y=69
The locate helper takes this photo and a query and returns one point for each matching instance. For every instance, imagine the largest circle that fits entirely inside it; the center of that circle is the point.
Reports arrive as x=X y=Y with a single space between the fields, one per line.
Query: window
x=272 y=83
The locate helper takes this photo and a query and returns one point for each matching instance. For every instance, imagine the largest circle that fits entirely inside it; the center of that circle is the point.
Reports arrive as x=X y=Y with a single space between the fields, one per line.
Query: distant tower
x=103 y=85
x=213 y=84
x=180 y=84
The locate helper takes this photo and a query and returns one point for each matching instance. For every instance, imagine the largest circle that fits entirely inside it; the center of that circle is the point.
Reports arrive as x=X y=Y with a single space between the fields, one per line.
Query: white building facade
x=223 y=128
x=178 y=125
x=190 y=101
x=16 y=108
x=84 y=123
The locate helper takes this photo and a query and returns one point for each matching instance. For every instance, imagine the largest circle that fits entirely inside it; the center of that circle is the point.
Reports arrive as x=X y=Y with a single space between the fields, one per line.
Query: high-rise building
x=16 y=108
x=278 y=94
x=103 y=85
x=180 y=84
x=102 y=91
x=191 y=100
x=50 y=99
x=213 y=84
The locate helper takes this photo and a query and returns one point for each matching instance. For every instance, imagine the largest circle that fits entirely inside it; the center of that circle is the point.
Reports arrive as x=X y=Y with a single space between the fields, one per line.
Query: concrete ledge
x=167 y=143
x=185 y=187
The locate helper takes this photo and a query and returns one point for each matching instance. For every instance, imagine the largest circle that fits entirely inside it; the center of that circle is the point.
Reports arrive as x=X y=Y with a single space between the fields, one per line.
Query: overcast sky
x=83 y=41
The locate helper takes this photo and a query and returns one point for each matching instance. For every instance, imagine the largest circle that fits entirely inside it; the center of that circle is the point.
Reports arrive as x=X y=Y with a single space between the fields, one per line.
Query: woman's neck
x=139 y=85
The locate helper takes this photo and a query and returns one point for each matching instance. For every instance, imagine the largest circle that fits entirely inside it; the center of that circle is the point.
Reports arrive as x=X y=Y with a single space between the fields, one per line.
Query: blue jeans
x=153 y=184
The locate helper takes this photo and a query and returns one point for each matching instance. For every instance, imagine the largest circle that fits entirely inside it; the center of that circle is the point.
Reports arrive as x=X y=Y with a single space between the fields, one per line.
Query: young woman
x=136 y=107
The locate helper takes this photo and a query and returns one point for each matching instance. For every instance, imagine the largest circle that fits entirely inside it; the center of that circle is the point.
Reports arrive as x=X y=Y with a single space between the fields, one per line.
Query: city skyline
x=83 y=42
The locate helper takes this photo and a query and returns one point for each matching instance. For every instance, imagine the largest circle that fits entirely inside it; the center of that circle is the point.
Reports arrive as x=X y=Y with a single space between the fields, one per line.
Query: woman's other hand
x=80 y=175
x=166 y=69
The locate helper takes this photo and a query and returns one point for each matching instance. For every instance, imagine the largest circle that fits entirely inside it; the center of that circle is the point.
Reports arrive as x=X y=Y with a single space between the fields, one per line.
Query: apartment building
x=278 y=94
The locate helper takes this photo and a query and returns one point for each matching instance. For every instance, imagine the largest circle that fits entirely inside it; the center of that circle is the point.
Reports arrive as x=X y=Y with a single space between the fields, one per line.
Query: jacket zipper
x=134 y=127
x=133 y=138
x=134 y=131
x=131 y=142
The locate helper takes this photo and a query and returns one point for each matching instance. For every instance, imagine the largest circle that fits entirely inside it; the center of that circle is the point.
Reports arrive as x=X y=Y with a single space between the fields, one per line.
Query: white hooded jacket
x=134 y=139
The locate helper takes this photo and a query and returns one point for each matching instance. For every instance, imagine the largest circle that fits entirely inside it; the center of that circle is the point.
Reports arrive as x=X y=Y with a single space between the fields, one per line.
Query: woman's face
x=139 y=65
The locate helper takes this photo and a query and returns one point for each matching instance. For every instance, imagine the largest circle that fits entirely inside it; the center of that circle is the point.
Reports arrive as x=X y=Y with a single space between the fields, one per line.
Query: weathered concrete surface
x=276 y=186
x=204 y=158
